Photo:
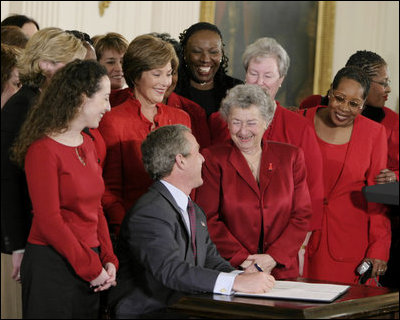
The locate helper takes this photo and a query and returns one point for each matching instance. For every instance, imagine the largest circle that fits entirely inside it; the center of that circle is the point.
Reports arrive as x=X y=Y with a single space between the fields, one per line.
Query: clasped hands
x=264 y=261
x=106 y=279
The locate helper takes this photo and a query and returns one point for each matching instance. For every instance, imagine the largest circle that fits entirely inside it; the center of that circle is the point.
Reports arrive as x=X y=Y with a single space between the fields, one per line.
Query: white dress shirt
x=225 y=280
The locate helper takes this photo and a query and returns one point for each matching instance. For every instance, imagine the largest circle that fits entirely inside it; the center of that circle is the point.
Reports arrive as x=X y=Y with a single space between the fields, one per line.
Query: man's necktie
x=192 y=219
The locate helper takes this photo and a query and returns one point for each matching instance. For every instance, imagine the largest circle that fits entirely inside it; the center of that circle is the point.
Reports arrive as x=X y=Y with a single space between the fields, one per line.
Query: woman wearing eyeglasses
x=354 y=151
x=377 y=70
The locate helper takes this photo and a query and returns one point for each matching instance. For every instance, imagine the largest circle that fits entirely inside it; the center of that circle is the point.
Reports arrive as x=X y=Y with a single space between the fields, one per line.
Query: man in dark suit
x=158 y=259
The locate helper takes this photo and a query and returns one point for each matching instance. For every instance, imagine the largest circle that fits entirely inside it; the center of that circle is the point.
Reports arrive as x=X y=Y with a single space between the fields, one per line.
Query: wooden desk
x=358 y=302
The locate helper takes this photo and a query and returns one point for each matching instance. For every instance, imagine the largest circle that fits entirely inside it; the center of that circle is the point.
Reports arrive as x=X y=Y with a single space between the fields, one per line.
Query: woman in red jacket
x=69 y=256
x=354 y=151
x=148 y=65
x=377 y=70
x=255 y=193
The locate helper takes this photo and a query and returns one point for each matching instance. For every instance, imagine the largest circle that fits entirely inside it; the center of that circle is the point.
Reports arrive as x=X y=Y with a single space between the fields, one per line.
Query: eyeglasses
x=384 y=84
x=340 y=99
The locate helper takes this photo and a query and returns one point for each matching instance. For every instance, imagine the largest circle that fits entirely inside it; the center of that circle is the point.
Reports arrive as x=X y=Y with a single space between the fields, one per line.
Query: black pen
x=258 y=267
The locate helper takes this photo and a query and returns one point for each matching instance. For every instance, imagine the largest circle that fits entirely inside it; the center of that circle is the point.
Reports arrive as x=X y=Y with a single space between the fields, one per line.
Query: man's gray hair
x=160 y=148
x=265 y=48
x=245 y=95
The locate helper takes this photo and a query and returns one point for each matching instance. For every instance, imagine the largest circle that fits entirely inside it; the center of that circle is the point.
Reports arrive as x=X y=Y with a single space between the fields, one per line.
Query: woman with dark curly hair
x=69 y=256
x=203 y=65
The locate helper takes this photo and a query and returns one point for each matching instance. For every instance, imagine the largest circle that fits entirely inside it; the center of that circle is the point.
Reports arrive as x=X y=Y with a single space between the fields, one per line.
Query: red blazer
x=391 y=124
x=237 y=208
x=197 y=115
x=124 y=128
x=288 y=127
x=357 y=229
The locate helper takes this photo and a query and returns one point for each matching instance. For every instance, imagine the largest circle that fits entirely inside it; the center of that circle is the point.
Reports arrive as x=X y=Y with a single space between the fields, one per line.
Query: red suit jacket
x=237 y=208
x=287 y=127
x=390 y=122
x=124 y=128
x=355 y=228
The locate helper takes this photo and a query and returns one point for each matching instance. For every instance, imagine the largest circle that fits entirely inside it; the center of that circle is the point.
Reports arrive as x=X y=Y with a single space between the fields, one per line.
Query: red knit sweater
x=66 y=199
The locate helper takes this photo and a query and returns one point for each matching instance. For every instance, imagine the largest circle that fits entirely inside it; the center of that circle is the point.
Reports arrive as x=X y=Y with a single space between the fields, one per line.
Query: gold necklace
x=79 y=157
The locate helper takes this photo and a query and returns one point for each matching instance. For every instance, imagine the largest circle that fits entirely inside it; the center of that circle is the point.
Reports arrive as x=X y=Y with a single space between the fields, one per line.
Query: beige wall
x=130 y=18
x=359 y=25
x=373 y=26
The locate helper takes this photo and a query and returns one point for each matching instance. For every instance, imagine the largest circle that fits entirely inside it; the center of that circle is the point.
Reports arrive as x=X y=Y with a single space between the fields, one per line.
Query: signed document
x=294 y=290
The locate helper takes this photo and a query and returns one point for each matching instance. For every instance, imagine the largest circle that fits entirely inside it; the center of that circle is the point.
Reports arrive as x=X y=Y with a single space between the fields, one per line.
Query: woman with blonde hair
x=46 y=51
x=148 y=66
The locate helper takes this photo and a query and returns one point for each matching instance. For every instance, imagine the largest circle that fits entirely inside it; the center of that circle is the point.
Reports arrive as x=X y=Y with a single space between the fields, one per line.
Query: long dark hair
x=59 y=104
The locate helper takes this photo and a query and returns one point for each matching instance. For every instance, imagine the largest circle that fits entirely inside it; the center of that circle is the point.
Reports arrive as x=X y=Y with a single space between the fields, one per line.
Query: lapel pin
x=270 y=167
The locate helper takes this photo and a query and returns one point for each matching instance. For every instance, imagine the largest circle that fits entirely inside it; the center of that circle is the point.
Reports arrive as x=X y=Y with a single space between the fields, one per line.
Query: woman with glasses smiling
x=377 y=70
x=354 y=151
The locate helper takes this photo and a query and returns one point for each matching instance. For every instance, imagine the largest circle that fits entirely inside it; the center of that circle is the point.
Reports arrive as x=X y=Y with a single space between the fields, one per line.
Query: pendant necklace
x=79 y=157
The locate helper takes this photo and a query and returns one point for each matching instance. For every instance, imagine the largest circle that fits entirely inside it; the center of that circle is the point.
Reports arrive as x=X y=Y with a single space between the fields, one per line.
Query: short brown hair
x=110 y=41
x=145 y=53
x=13 y=36
x=9 y=57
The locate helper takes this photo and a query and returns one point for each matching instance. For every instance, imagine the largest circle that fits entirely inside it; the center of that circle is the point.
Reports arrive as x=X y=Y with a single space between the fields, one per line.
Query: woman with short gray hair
x=266 y=63
x=255 y=193
x=244 y=96
x=267 y=47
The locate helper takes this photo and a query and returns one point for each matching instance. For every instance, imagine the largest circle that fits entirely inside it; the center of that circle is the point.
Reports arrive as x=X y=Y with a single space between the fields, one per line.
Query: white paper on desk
x=301 y=291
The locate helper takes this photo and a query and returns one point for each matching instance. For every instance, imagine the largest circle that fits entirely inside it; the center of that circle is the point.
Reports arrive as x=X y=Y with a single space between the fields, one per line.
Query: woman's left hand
x=112 y=272
x=379 y=267
x=264 y=261
x=385 y=176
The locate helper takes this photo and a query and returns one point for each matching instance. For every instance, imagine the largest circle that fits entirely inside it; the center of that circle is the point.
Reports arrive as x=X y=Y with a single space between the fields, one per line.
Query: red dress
x=238 y=209
x=124 y=128
x=352 y=229
x=197 y=115
x=287 y=127
x=66 y=200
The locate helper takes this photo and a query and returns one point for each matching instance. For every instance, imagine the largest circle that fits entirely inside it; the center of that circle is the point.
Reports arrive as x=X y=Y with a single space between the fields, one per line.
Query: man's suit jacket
x=156 y=258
